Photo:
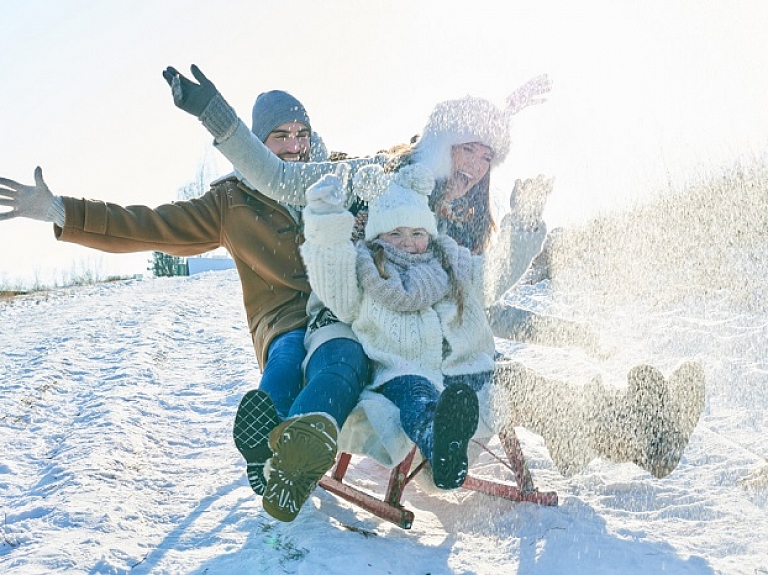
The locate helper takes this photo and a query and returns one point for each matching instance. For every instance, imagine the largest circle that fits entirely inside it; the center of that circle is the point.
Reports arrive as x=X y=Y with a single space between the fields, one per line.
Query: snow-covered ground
x=115 y=423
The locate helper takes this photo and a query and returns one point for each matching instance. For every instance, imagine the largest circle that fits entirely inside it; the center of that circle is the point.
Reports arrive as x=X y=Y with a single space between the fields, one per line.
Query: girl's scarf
x=416 y=281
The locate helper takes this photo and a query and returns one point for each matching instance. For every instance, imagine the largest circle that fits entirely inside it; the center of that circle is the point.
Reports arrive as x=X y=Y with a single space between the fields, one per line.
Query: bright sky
x=644 y=92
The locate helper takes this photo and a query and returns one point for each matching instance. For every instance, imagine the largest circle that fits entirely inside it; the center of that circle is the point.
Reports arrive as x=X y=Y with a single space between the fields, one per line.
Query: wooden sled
x=390 y=509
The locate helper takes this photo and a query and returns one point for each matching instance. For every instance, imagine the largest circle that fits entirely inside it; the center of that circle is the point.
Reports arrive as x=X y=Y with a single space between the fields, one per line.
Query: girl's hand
x=327 y=195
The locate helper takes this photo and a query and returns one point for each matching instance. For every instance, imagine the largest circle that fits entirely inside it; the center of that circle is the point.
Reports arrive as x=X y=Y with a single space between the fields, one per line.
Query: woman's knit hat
x=274 y=108
x=396 y=200
x=455 y=122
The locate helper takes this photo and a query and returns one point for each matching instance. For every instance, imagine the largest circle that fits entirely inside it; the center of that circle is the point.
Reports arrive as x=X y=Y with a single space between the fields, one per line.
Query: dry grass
x=757 y=478
x=708 y=240
x=38 y=290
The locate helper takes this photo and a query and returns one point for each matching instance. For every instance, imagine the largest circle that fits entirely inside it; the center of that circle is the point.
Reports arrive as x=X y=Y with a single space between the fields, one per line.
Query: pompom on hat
x=396 y=200
x=456 y=122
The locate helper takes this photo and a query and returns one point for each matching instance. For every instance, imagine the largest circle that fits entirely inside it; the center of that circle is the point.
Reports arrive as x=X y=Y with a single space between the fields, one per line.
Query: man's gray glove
x=203 y=101
x=326 y=196
x=34 y=202
x=190 y=97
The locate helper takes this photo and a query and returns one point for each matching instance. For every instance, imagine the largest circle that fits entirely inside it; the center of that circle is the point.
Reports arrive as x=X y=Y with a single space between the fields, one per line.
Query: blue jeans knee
x=416 y=397
x=282 y=377
x=336 y=374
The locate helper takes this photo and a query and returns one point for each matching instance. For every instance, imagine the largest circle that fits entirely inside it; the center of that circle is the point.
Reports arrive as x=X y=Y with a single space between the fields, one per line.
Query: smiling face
x=290 y=142
x=470 y=163
x=410 y=240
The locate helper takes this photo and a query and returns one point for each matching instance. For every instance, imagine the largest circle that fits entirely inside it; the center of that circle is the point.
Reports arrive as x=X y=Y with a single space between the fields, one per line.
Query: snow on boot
x=649 y=416
x=649 y=423
x=687 y=387
x=557 y=411
x=256 y=417
x=662 y=414
x=454 y=424
x=687 y=395
x=304 y=449
x=625 y=422
x=671 y=415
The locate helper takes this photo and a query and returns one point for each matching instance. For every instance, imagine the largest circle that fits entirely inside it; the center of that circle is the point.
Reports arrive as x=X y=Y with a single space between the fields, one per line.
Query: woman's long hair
x=467 y=219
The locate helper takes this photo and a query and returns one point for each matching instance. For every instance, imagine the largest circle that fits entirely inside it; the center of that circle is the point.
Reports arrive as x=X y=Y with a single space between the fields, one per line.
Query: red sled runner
x=389 y=507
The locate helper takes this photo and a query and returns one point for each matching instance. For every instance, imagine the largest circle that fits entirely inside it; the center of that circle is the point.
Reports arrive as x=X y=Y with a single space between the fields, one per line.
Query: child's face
x=411 y=240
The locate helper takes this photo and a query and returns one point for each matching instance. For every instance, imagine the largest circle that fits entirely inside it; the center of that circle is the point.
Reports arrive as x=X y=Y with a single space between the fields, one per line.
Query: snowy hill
x=118 y=400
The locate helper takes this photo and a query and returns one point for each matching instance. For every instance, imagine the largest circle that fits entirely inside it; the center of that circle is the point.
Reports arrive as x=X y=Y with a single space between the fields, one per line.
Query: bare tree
x=206 y=172
x=199 y=185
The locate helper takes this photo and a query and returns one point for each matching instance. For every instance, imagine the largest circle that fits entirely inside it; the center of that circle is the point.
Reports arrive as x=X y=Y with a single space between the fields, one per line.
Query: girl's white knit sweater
x=431 y=342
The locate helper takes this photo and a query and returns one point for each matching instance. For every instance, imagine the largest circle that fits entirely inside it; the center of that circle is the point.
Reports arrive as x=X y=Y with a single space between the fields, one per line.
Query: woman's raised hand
x=529 y=94
x=528 y=199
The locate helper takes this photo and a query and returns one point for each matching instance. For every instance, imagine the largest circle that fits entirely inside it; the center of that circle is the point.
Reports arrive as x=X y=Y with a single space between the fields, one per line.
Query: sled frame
x=390 y=507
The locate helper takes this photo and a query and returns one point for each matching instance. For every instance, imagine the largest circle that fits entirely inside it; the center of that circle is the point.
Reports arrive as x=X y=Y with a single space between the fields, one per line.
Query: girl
x=413 y=299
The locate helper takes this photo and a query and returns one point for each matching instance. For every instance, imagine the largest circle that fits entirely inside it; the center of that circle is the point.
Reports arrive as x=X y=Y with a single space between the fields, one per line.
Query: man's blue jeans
x=281 y=377
x=336 y=374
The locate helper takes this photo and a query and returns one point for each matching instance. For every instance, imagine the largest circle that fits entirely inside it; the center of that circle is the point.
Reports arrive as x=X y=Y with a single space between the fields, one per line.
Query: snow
x=115 y=420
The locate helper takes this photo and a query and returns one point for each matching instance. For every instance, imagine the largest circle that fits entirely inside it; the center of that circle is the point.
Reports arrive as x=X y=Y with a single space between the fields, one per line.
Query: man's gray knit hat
x=274 y=108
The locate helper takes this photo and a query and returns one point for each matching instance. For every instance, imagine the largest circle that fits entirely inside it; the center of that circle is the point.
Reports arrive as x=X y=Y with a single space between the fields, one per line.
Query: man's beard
x=303 y=157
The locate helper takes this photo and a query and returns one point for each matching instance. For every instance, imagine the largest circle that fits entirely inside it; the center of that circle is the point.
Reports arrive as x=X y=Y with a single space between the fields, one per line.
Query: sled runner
x=389 y=507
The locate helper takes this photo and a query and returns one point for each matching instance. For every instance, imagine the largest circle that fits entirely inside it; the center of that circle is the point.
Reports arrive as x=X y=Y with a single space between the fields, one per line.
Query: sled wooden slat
x=514 y=452
x=390 y=509
x=510 y=492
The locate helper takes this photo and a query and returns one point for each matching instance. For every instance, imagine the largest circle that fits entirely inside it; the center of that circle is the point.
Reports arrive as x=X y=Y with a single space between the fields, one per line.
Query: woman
x=651 y=421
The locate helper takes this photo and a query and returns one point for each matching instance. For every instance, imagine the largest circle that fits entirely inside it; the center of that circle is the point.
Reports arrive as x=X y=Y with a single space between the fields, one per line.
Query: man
x=263 y=237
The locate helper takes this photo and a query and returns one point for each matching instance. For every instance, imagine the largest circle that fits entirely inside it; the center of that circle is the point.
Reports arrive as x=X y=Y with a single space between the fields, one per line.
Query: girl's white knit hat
x=456 y=122
x=396 y=200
